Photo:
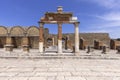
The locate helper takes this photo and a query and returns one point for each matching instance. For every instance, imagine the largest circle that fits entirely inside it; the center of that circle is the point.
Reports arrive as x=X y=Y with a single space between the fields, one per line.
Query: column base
x=41 y=47
x=8 y=47
x=77 y=53
x=25 y=48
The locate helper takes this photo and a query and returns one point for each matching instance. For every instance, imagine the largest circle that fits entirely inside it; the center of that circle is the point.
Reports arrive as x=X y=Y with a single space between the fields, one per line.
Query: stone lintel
x=56 y=22
x=9 y=47
x=25 y=48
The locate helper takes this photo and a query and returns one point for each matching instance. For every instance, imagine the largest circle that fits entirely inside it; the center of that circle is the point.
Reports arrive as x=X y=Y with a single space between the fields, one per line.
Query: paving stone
x=55 y=69
x=60 y=78
x=3 y=69
x=4 y=78
x=76 y=73
x=100 y=78
x=46 y=74
x=23 y=69
x=37 y=78
x=51 y=78
x=8 y=74
x=75 y=78
x=88 y=74
x=64 y=73
x=116 y=78
x=109 y=74
x=25 y=74
x=71 y=69
x=41 y=69
x=19 y=78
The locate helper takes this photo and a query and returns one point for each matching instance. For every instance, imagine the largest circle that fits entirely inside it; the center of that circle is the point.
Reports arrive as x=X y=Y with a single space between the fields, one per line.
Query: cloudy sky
x=94 y=15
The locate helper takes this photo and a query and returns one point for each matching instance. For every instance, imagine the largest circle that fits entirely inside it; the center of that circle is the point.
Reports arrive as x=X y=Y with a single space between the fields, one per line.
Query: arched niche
x=17 y=31
x=33 y=31
x=3 y=31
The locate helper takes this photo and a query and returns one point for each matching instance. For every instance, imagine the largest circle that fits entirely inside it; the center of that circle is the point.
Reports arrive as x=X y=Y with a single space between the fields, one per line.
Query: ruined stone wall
x=90 y=37
x=32 y=32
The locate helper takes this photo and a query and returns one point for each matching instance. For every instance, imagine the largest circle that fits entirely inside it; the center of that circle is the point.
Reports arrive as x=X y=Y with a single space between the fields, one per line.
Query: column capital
x=41 y=24
x=76 y=23
x=59 y=24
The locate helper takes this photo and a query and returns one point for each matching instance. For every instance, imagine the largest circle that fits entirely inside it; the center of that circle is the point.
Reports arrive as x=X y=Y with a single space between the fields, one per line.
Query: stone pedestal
x=9 y=47
x=105 y=50
x=25 y=48
x=25 y=44
x=90 y=49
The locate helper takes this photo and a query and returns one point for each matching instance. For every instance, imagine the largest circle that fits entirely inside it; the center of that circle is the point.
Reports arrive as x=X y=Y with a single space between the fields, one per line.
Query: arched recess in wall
x=33 y=33
x=3 y=34
x=17 y=32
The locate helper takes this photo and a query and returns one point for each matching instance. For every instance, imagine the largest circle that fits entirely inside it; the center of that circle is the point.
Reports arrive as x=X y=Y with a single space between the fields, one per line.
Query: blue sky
x=94 y=15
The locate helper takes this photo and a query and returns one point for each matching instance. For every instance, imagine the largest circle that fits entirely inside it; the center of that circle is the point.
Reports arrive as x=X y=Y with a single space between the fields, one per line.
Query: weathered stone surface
x=3 y=31
x=114 y=44
x=32 y=32
x=66 y=69
x=17 y=31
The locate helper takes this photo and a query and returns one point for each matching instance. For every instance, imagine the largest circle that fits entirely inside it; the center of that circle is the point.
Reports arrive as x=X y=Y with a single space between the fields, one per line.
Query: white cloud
x=107 y=3
x=108 y=21
x=113 y=16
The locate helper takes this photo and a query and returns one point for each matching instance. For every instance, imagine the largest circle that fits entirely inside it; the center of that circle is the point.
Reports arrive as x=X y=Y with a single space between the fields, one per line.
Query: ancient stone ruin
x=34 y=37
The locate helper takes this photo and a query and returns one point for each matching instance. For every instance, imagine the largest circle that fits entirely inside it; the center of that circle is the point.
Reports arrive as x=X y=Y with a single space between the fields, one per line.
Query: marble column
x=59 y=37
x=41 y=40
x=76 y=38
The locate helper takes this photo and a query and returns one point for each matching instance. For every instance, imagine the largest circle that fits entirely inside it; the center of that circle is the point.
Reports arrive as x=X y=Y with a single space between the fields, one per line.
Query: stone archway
x=33 y=33
x=16 y=33
x=59 y=18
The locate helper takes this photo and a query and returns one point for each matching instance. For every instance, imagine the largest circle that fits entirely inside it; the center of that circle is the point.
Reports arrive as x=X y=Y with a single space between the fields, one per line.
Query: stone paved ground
x=59 y=69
